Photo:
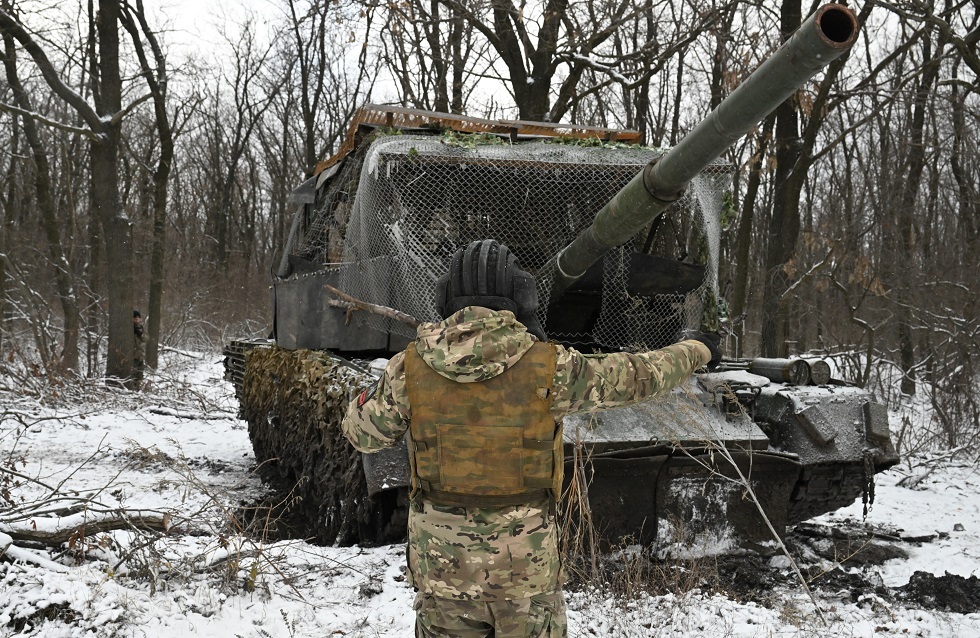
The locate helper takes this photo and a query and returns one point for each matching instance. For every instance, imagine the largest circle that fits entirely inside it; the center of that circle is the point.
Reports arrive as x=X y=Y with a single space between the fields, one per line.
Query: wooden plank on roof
x=404 y=118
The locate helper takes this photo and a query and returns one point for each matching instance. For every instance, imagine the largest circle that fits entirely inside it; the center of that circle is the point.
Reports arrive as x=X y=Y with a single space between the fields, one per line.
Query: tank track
x=825 y=487
x=234 y=354
x=298 y=443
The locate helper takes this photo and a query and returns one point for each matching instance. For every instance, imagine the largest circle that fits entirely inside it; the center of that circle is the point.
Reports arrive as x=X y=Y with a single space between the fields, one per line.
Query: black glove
x=138 y=329
x=711 y=340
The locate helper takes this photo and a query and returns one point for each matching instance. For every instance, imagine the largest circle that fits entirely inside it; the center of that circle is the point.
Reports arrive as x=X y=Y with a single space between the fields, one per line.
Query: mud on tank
x=380 y=221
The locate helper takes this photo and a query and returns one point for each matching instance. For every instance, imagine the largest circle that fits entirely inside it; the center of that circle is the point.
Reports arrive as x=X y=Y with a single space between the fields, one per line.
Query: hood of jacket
x=473 y=344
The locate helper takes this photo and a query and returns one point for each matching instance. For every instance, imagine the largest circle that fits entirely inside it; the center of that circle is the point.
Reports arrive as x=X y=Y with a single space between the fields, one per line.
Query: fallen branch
x=912 y=481
x=945 y=456
x=930 y=465
x=184 y=353
x=814 y=530
x=194 y=416
x=12 y=552
x=352 y=303
x=58 y=530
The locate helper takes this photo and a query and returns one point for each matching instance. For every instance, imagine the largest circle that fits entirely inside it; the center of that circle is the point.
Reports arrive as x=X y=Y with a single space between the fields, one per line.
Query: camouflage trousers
x=540 y=616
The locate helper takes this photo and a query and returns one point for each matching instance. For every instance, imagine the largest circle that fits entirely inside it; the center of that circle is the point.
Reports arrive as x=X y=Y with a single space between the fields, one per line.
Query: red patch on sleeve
x=362 y=398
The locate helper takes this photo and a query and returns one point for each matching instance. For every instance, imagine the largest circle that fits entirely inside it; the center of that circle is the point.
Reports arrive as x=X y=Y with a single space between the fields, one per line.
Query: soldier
x=482 y=394
x=139 y=349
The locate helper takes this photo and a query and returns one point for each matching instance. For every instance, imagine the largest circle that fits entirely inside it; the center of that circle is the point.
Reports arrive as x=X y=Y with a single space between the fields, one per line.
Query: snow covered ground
x=177 y=452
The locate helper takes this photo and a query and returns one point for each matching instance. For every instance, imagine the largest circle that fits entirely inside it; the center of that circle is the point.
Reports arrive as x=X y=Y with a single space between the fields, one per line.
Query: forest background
x=138 y=173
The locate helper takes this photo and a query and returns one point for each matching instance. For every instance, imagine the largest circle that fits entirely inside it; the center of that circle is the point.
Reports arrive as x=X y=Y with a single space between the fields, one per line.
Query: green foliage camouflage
x=472 y=140
x=596 y=142
x=294 y=402
x=728 y=211
x=715 y=314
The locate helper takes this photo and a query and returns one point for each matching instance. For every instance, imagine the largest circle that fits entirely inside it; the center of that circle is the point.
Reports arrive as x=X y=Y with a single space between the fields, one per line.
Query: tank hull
x=683 y=473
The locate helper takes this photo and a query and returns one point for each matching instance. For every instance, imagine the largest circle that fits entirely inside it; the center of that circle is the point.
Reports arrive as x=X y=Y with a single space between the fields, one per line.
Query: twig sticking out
x=352 y=303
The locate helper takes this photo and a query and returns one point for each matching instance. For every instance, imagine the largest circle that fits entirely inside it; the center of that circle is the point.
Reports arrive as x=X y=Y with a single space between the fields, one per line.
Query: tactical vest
x=490 y=443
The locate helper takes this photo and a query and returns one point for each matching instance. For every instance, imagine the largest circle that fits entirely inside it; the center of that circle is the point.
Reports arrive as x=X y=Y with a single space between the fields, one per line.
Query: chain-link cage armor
x=390 y=218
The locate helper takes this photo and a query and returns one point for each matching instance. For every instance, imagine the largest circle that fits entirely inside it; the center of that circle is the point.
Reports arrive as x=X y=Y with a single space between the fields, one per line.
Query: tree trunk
x=224 y=218
x=64 y=281
x=161 y=180
x=91 y=275
x=456 y=30
x=157 y=84
x=968 y=198
x=432 y=27
x=784 y=224
x=675 y=120
x=794 y=156
x=719 y=61
x=904 y=242
x=6 y=225
x=743 y=240
x=532 y=91
x=117 y=232
x=116 y=227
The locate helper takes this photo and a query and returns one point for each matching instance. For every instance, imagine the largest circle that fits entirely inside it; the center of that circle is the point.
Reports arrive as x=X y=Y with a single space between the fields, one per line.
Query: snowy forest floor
x=178 y=454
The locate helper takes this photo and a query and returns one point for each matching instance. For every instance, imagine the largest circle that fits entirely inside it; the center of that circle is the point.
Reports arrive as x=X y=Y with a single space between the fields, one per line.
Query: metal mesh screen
x=394 y=213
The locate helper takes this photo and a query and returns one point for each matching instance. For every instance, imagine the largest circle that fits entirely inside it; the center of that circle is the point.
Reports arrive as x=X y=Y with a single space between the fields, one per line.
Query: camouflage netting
x=394 y=212
x=300 y=397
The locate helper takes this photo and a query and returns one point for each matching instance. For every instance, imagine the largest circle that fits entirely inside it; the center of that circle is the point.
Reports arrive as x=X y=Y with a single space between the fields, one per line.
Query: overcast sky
x=195 y=25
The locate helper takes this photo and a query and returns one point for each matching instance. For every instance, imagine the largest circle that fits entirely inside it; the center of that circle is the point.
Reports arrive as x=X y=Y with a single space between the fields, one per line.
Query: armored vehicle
x=624 y=244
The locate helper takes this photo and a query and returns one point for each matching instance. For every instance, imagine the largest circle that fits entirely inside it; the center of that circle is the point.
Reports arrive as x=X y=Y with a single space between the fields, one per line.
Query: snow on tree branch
x=41 y=119
x=54 y=530
x=608 y=70
x=69 y=95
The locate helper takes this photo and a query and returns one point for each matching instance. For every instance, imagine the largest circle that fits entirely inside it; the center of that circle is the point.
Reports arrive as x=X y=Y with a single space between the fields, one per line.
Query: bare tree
x=434 y=56
x=795 y=155
x=134 y=20
x=229 y=131
x=532 y=47
x=330 y=83
x=955 y=24
x=63 y=272
x=102 y=127
x=743 y=242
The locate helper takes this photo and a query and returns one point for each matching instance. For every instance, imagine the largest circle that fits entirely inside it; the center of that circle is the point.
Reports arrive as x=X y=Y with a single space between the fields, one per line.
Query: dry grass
x=627 y=570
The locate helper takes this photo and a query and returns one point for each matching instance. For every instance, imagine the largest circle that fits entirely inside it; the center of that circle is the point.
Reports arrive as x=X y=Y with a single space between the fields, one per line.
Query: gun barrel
x=824 y=36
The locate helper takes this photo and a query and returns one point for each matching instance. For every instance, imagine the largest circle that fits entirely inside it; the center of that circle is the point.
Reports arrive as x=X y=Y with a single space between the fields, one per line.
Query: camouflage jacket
x=508 y=552
x=139 y=345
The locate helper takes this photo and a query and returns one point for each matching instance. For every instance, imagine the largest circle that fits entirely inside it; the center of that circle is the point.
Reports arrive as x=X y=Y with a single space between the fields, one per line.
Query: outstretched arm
x=589 y=382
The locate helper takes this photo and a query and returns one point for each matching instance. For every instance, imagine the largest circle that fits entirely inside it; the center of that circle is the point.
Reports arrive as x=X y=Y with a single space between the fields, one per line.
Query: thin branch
x=352 y=303
x=37 y=117
x=716 y=446
x=816 y=268
x=966 y=46
x=117 y=118
x=66 y=93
